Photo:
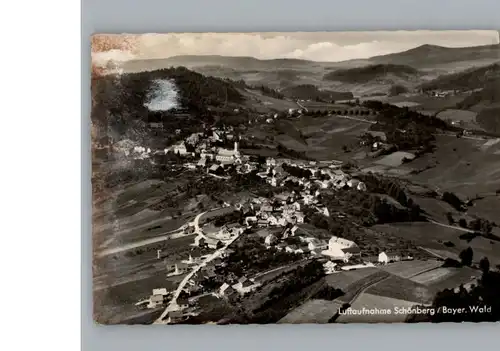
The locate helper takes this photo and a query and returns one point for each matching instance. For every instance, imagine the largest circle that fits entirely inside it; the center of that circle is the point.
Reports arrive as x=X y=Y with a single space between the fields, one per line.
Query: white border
x=40 y=175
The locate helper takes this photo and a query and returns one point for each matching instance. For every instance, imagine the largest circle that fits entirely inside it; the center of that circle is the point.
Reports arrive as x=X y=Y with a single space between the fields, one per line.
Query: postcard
x=301 y=177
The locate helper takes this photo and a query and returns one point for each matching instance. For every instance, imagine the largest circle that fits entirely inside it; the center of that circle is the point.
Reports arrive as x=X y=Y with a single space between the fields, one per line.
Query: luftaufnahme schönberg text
x=415 y=310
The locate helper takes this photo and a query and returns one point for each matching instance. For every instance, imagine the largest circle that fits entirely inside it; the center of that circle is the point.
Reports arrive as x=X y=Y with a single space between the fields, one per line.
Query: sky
x=315 y=46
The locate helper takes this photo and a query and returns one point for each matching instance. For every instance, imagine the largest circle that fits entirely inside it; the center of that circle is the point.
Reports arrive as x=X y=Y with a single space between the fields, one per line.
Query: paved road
x=177 y=233
x=355 y=119
x=173 y=234
x=197 y=228
x=454 y=135
x=301 y=106
x=465 y=230
x=172 y=306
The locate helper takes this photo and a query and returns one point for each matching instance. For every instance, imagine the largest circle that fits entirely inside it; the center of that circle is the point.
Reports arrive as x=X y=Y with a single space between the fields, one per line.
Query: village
x=283 y=223
x=277 y=221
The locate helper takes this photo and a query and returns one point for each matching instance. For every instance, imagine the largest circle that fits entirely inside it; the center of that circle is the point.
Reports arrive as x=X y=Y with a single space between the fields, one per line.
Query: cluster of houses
x=215 y=238
x=325 y=174
x=280 y=211
x=243 y=286
x=208 y=149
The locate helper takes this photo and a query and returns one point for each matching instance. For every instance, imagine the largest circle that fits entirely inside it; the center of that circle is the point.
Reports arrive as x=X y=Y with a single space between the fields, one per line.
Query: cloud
x=101 y=58
x=327 y=46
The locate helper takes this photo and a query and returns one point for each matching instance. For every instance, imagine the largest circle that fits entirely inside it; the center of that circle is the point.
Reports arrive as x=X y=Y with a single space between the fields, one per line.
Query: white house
x=204 y=154
x=213 y=168
x=155 y=301
x=316 y=244
x=361 y=186
x=324 y=211
x=226 y=290
x=180 y=149
x=245 y=285
x=202 y=162
x=160 y=291
x=341 y=249
x=386 y=258
x=352 y=183
x=270 y=162
x=300 y=217
x=216 y=136
x=190 y=260
x=272 y=220
x=329 y=267
x=282 y=221
x=271 y=239
x=250 y=219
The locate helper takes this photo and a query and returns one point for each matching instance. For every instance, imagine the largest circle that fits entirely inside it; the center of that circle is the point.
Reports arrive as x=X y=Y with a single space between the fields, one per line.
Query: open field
x=113 y=266
x=312 y=311
x=402 y=289
x=335 y=135
x=395 y=159
x=442 y=254
x=126 y=215
x=431 y=276
x=406 y=104
x=436 y=208
x=117 y=303
x=321 y=138
x=372 y=302
x=446 y=278
x=355 y=283
x=343 y=280
x=458 y=115
x=408 y=269
x=425 y=103
x=461 y=166
x=487 y=208
x=431 y=236
x=262 y=103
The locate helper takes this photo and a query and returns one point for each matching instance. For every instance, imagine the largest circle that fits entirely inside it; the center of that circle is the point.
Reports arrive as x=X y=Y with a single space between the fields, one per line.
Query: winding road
x=172 y=306
x=465 y=230
x=173 y=234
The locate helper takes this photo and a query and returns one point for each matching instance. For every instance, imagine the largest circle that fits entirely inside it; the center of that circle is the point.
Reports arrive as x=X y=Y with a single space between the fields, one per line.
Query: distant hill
x=428 y=55
x=489 y=119
x=191 y=61
x=370 y=73
x=311 y=92
x=470 y=79
x=119 y=103
x=487 y=103
x=488 y=96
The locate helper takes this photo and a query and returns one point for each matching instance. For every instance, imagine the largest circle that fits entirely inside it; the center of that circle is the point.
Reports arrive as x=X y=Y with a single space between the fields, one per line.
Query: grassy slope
x=469 y=79
x=431 y=55
x=370 y=72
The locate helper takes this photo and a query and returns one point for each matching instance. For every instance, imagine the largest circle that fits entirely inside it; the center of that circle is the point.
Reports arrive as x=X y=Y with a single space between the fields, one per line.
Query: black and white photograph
x=296 y=177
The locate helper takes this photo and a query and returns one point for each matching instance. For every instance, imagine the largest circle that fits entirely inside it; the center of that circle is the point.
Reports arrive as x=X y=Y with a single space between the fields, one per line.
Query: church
x=228 y=156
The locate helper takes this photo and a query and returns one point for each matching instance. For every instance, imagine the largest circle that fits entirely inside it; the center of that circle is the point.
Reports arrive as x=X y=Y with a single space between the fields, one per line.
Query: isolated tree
x=462 y=222
x=397 y=89
x=484 y=265
x=466 y=256
x=449 y=216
